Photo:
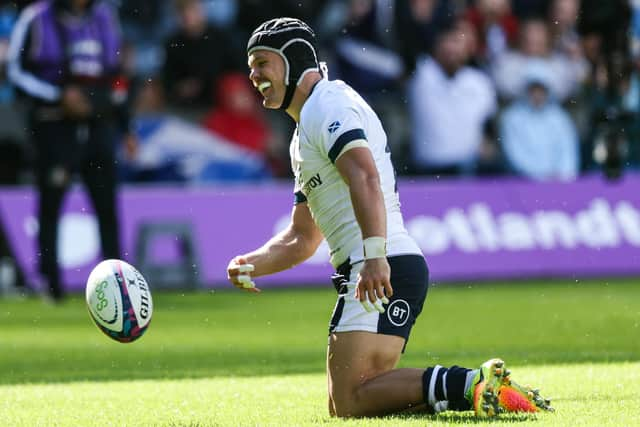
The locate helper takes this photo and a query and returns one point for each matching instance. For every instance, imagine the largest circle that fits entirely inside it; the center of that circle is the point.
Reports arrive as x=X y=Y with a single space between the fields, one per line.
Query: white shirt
x=333 y=120
x=509 y=72
x=448 y=113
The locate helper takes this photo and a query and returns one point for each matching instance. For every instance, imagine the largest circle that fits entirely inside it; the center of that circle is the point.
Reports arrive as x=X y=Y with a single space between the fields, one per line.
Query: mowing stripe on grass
x=583 y=395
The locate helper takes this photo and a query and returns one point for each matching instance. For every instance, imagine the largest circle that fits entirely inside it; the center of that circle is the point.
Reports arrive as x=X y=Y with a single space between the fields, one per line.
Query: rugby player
x=345 y=192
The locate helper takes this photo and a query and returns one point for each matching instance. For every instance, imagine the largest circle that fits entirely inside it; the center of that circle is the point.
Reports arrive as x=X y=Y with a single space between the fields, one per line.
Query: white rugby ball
x=119 y=300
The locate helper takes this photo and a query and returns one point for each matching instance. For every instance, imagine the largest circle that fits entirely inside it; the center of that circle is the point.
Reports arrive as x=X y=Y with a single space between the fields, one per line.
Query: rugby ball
x=119 y=300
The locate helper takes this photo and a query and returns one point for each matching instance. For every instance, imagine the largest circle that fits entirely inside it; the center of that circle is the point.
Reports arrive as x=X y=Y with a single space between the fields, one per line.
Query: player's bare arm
x=358 y=170
x=286 y=249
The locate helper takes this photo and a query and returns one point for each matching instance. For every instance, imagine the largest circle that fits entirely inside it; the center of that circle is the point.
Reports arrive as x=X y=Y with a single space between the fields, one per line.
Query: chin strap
x=288 y=95
x=291 y=88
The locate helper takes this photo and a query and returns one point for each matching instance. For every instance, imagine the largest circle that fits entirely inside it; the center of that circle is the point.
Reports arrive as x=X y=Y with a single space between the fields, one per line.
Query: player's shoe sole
x=513 y=397
x=486 y=388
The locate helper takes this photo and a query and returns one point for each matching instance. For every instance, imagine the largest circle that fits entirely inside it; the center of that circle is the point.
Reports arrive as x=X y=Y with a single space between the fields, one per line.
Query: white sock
x=441 y=406
x=431 y=397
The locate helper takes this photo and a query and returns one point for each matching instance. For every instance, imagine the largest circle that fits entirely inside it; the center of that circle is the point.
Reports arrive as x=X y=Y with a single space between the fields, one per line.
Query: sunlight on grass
x=589 y=394
x=227 y=358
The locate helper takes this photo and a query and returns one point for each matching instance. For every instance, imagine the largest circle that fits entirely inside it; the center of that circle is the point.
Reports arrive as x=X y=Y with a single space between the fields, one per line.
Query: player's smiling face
x=266 y=72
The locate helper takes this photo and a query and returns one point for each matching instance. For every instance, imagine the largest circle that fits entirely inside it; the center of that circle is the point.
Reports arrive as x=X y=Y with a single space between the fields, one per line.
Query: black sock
x=440 y=383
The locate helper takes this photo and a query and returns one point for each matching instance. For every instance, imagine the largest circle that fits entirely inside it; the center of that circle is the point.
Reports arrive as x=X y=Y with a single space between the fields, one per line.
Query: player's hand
x=374 y=284
x=239 y=274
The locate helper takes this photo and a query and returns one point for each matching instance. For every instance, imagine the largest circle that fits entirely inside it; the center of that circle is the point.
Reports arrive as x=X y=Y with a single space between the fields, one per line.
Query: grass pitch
x=229 y=358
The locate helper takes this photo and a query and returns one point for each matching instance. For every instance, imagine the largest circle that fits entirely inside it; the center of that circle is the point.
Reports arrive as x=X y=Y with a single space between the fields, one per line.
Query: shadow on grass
x=115 y=362
x=467 y=418
x=223 y=334
x=141 y=363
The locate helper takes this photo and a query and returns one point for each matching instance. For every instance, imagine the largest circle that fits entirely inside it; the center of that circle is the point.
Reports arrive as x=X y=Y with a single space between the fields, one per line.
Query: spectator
x=251 y=13
x=365 y=52
x=145 y=26
x=367 y=58
x=610 y=119
x=238 y=118
x=473 y=50
x=495 y=26
x=635 y=32
x=417 y=23
x=197 y=54
x=12 y=132
x=221 y=13
x=631 y=102
x=563 y=20
x=509 y=69
x=631 y=98
x=525 y=9
x=538 y=136
x=71 y=113
x=11 y=153
x=17 y=4
x=612 y=141
x=13 y=161
x=150 y=100
x=450 y=104
x=175 y=150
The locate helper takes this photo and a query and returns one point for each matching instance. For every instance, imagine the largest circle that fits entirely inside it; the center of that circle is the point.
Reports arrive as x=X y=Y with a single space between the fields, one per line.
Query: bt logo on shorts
x=398 y=312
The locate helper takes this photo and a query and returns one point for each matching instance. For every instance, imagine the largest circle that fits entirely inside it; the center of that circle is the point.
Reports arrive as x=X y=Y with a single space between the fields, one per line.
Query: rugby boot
x=485 y=387
x=512 y=397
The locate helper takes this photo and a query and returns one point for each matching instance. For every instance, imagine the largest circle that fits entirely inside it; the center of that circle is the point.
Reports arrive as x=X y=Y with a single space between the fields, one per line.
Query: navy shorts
x=410 y=282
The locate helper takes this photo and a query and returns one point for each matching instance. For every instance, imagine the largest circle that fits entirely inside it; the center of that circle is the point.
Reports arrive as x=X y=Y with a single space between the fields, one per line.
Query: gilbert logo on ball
x=119 y=300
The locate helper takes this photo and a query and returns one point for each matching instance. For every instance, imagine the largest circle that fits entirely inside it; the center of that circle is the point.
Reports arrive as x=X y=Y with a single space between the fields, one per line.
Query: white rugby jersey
x=333 y=120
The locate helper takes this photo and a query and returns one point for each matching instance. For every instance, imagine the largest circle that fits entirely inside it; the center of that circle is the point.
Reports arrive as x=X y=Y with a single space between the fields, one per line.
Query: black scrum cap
x=295 y=42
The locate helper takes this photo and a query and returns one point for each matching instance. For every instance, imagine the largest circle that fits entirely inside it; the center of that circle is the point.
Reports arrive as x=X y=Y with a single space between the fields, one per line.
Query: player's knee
x=346 y=410
x=348 y=403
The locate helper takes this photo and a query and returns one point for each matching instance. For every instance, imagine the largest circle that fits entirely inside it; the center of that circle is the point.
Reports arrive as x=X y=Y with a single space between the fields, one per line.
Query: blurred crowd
x=543 y=89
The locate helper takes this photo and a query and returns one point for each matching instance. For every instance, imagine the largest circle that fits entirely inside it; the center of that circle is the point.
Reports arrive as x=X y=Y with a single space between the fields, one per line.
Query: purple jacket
x=50 y=47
